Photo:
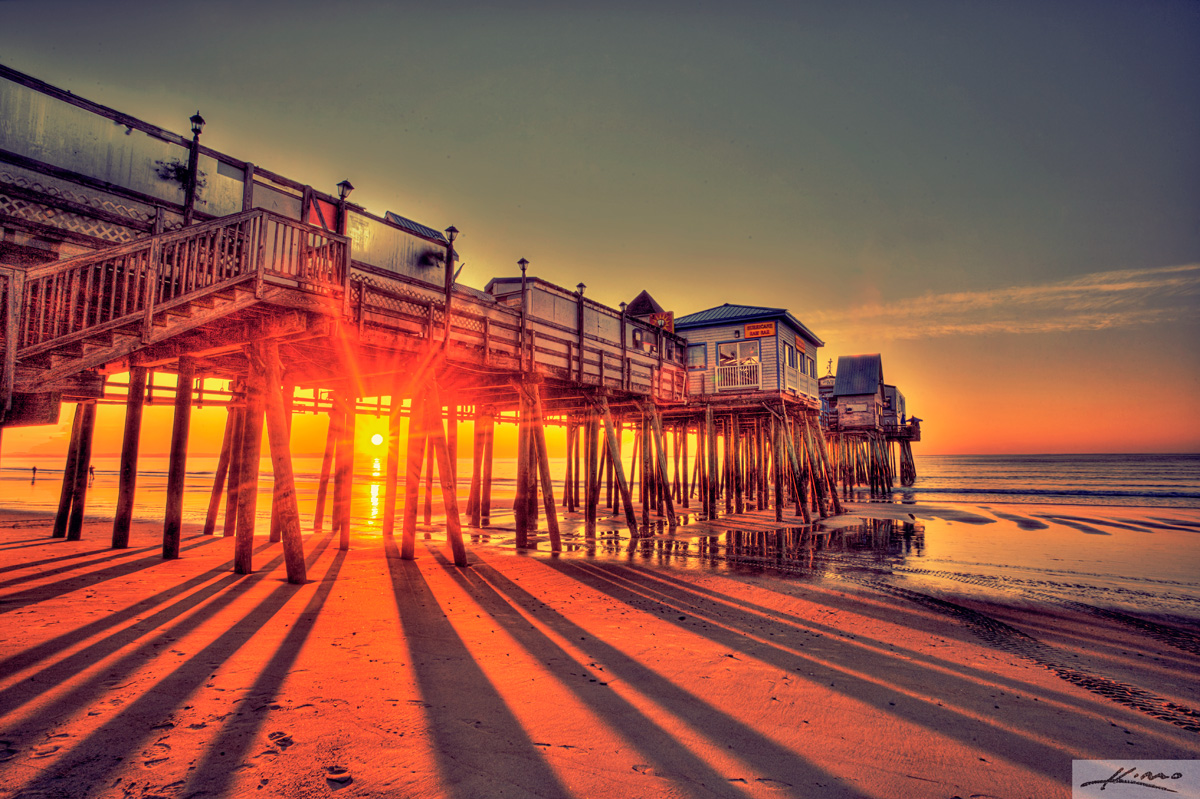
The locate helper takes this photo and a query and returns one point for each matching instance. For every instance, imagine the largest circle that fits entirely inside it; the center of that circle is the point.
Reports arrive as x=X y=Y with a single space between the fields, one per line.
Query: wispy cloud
x=1099 y=301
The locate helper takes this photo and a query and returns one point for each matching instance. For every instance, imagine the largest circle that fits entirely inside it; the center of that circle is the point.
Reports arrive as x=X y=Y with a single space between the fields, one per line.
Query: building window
x=738 y=353
x=697 y=356
x=789 y=355
x=812 y=366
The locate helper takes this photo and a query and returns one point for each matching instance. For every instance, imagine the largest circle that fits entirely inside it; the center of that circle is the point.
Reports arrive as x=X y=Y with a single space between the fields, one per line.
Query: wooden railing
x=738 y=377
x=128 y=284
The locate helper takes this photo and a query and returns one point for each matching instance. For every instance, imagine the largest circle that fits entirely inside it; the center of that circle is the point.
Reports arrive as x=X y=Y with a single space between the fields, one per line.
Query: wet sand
x=612 y=674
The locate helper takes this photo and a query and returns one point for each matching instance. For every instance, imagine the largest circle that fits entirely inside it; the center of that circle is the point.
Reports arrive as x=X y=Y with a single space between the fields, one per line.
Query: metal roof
x=414 y=227
x=858 y=374
x=732 y=314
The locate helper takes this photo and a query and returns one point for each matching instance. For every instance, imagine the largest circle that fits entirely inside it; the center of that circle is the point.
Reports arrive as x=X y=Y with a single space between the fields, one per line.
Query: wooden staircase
x=65 y=318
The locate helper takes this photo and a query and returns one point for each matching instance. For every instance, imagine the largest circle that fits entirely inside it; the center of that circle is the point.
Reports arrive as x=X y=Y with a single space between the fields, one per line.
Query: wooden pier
x=298 y=300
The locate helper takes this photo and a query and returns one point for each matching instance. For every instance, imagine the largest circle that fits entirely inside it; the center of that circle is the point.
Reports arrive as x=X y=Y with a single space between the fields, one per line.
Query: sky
x=1001 y=198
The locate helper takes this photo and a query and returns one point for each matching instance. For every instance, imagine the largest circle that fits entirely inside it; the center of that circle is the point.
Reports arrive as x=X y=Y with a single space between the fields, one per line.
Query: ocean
x=1102 y=480
x=1125 y=480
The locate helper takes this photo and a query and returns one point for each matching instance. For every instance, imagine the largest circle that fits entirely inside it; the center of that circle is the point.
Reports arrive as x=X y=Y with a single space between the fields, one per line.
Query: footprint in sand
x=44 y=751
x=281 y=739
x=338 y=777
x=155 y=754
x=7 y=752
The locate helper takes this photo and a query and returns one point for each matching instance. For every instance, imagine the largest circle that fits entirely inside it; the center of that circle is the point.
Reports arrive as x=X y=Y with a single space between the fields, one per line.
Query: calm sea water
x=1127 y=480
x=1104 y=480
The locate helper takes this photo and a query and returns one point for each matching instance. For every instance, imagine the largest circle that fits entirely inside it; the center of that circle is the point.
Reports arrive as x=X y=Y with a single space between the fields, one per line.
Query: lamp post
x=524 y=308
x=344 y=188
x=451 y=235
x=189 y=197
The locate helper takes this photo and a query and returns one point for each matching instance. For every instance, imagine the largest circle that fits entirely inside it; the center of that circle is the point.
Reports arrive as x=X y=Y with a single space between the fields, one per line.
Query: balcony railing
x=739 y=377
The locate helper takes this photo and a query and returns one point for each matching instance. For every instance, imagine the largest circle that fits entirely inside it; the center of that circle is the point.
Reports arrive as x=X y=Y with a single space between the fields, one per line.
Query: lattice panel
x=100 y=203
x=76 y=223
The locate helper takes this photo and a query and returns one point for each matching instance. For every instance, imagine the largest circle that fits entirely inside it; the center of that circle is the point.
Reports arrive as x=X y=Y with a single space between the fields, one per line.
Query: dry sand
x=122 y=675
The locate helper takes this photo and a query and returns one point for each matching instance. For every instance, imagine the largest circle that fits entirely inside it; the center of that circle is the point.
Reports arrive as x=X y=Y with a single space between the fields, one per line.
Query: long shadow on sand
x=737 y=631
x=230 y=746
x=773 y=765
x=455 y=688
x=41 y=593
x=36 y=654
x=92 y=758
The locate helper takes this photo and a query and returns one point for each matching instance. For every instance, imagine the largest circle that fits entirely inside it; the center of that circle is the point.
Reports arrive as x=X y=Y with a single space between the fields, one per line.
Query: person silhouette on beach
x=91 y=474
x=34 y=478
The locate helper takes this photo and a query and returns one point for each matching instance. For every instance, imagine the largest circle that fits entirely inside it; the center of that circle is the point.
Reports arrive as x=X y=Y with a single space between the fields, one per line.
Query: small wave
x=1048 y=492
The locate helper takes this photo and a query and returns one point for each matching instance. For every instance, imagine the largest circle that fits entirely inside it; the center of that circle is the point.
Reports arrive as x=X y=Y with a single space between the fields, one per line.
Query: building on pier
x=741 y=352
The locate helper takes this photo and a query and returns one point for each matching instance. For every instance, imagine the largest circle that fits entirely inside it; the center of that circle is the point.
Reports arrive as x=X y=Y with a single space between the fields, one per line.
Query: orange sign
x=665 y=320
x=799 y=344
x=760 y=329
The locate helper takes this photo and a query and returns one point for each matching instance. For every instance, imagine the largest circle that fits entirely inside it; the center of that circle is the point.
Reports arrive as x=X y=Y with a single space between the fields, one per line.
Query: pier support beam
x=247 y=493
x=265 y=358
x=441 y=451
x=214 y=499
x=177 y=469
x=127 y=480
x=332 y=436
x=67 y=491
x=412 y=475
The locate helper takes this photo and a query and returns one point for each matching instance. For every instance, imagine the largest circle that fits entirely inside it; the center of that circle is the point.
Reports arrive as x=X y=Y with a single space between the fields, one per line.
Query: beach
x=916 y=649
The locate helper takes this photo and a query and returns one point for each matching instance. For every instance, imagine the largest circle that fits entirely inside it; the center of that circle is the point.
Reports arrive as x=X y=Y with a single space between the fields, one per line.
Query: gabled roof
x=643 y=305
x=732 y=314
x=414 y=227
x=858 y=374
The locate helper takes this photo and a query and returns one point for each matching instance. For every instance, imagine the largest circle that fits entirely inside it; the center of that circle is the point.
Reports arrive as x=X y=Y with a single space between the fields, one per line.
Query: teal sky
x=1001 y=197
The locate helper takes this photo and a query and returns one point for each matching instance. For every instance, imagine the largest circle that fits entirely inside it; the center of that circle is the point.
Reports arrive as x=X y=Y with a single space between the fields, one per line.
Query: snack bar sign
x=760 y=329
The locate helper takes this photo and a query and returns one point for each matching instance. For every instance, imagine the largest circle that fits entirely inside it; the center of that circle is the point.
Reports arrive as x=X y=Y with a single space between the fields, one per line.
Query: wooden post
x=233 y=481
x=67 y=491
x=739 y=498
x=452 y=435
x=441 y=450
x=278 y=511
x=79 y=489
x=429 y=458
x=711 y=472
x=243 y=547
x=837 y=505
x=543 y=462
x=412 y=480
x=568 y=468
x=343 y=483
x=661 y=448
x=619 y=469
x=332 y=436
x=279 y=438
x=685 y=488
x=135 y=401
x=591 y=482
x=777 y=466
x=177 y=469
x=521 y=501
x=797 y=474
x=214 y=499
x=392 y=475
x=646 y=484
x=474 y=505
x=485 y=487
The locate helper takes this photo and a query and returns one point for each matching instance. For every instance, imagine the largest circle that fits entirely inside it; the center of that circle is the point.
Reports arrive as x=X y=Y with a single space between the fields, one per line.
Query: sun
x=377 y=439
